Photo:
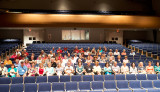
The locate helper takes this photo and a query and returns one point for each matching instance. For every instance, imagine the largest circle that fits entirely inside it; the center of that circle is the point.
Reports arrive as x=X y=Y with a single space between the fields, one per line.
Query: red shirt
x=26 y=53
x=59 y=51
x=18 y=58
x=13 y=56
x=41 y=71
x=76 y=50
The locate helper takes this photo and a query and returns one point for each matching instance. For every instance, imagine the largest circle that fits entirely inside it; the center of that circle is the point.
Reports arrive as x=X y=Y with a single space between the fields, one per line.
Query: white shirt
x=126 y=61
x=116 y=53
x=68 y=69
x=96 y=68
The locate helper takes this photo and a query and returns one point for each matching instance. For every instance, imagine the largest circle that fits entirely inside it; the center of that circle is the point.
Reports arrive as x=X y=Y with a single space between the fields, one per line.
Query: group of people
x=55 y=64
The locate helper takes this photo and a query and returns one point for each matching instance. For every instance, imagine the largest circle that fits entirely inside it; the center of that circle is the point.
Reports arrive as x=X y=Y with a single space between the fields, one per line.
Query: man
x=22 y=70
x=17 y=63
x=7 y=61
x=59 y=50
x=14 y=55
x=53 y=50
x=68 y=70
x=126 y=60
x=88 y=69
x=116 y=68
x=17 y=52
x=25 y=52
x=116 y=52
x=3 y=70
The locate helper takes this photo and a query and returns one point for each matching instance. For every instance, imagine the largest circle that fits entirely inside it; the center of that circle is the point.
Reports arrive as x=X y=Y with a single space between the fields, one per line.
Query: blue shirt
x=22 y=70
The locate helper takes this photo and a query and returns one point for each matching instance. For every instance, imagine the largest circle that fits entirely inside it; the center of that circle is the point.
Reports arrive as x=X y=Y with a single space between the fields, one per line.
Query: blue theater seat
x=4 y=88
x=41 y=79
x=120 y=77
x=87 y=78
x=30 y=87
x=84 y=86
x=76 y=78
x=147 y=84
x=151 y=76
x=109 y=77
x=71 y=86
x=5 y=80
x=65 y=78
x=97 y=85
x=44 y=87
x=58 y=87
x=141 y=77
x=98 y=78
x=131 y=77
x=16 y=88
x=16 y=80
x=53 y=79
x=122 y=84
x=135 y=84
x=156 y=83
x=29 y=79
x=110 y=85
x=125 y=90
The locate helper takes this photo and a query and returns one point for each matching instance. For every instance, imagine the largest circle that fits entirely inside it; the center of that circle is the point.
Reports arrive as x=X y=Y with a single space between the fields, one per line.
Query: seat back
x=87 y=78
x=130 y=77
x=98 y=78
x=41 y=79
x=134 y=84
x=53 y=79
x=71 y=86
x=122 y=84
x=97 y=85
x=146 y=84
x=16 y=88
x=65 y=78
x=141 y=77
x=109 y=77
x=16 y=80
x=76 y=78
x=120 y=77
x=125 y=90
x=156 y=83
x=110 y=84
x=29 y=80
x=151 y=76
x=44 y=87
x=153 y=90
x=84 y=85
x=57 y=86
x=30 y=87
x=5 y=80
x=4 y=88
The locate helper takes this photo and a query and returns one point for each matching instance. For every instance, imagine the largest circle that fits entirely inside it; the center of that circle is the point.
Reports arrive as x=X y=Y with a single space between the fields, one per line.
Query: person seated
x=59 y=69
x=14 y=55
x=68 y=70
x=33 y=70
x=97 y=68
x=88 y=69
x=22 y=70
x=124 y=68
x=110 y=55
x=81 y=59
x=87 y=51
x=65 y=50
x=141 y=68
x=39 y=60
x=18 y=52
x=76 y=50
x=69 y=56
x=105 y=50
x=59 y=50
x=107 y=69
x=42 y=53
x=132 y=53
x=41 y=70
x=126 y=60
x=119 y=59
x=17 y=63
x=49 y=70
x=102 y=60
x=50 y=53
x=48 y=59
x=93 y=51
x=110 y=51
x=124 y=52
x=133 y=69
x=53 y=50
x=149 y=68
x=26 y=63
x=115 y=68
x=12 y=72
x=25 y=52
x=73 y=60
x=100 y=50
x=79 y=69
x=3 y=70
x=157 y=68
x=116 y=52
x=32 y=59
x=7 y=61
x=18 y=57
x=45 y=57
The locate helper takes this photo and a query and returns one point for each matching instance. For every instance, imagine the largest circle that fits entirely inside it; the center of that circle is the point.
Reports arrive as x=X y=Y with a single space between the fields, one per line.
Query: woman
x=93 y=51
x=80 y=69
x=124 y=52
x=124 y=69
x=44 y=63
x=32 y=71
x=133 y=68
x=27 y=64
x=126 y=60
x=119 y=59
x=41 y=70
x=102 y=60
x=141 y=68
x=149 y=68
x=12 y=72
x=107 y=69
x=49 y=70
x=157 y=68
x=59 y=69
x=39 y=60
x=97 y=68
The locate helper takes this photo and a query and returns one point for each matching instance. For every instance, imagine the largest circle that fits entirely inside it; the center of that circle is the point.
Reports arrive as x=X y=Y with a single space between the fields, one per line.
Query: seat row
x=77 y=78
x=97 y=86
